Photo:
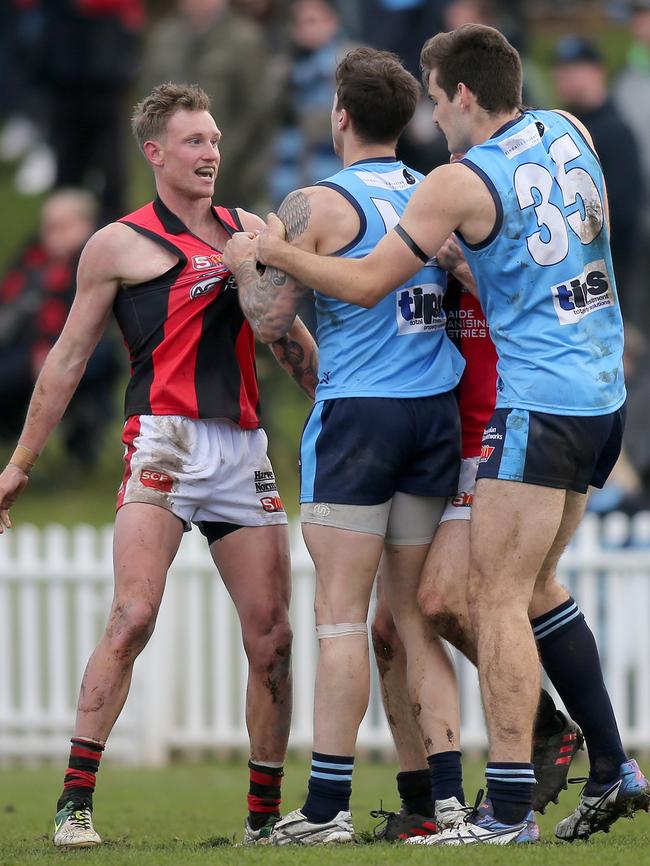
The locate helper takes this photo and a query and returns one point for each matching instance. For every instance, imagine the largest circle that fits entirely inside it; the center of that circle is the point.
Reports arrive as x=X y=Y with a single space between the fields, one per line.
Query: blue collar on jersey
x=374 y=159
x=507 y=125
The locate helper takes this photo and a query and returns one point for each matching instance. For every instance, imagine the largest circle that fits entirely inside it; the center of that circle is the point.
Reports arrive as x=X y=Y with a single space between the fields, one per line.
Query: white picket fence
x=189 y=683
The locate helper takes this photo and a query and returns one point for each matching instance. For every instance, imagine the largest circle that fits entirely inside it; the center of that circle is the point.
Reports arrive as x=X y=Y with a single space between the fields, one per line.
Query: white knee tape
x=341 y=629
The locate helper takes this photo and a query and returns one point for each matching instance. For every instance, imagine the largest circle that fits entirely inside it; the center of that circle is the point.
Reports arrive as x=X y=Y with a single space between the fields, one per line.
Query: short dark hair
x=479 y=57
x=379 y=94
x=150 y=116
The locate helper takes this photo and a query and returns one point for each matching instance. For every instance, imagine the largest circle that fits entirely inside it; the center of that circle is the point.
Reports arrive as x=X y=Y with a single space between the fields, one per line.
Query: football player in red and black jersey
x=194 y=449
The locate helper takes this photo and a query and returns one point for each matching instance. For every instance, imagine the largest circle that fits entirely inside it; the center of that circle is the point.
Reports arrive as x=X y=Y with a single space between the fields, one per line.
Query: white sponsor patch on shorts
x=459 y=506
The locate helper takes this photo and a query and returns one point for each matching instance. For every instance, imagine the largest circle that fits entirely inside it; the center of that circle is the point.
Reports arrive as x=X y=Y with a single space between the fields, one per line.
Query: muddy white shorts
x=208 y=472
x=459 y=507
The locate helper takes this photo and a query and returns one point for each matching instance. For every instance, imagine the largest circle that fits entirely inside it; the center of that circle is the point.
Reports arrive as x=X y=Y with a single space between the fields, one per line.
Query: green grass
x=192 y=814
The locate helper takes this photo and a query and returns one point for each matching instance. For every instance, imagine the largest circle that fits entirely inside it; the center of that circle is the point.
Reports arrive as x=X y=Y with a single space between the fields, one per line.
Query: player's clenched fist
x=12 y=482
x=274 y=231
x=240 y=248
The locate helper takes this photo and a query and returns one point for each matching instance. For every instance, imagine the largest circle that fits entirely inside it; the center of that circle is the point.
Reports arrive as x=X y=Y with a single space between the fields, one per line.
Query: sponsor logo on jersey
x=204 y=263
x=583 y=294
x=466 y=325
x=521 y=141
x=271 y=504
x=397 y=179
x=486 y=452
x=419 y=308
x=205 y=286
x=462 y=500
x=265 y=481
x=158 y=480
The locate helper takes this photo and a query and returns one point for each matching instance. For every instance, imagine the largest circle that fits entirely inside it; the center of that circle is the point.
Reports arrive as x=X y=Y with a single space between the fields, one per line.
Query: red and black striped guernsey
x=192 y=351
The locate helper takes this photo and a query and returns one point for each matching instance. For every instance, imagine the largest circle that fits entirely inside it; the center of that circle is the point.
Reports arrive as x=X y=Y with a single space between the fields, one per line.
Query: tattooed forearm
x=291 y=358
x=268 y=299
x=295 y=212
x=297 y=353
x=268 y=296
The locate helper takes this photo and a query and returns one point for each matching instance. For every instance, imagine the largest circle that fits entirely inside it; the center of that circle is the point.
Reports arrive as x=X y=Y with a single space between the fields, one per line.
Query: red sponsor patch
x=157 y=480
x=203 y=263
x=271 y=503
x=463 y=500
x=486 y=453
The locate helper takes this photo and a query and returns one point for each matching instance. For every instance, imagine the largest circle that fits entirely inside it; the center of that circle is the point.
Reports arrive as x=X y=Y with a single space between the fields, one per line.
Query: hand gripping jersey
x=399 y=347
x=467 y=328
x=192 y=351
x=545 y=272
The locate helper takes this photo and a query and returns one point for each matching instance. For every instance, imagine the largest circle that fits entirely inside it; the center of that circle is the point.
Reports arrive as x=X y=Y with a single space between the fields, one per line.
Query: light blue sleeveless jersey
x=545 y=274
x=398 y=348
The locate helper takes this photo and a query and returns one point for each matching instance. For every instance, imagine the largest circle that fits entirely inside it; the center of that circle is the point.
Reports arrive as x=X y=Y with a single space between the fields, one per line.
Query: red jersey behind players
x=467 y=327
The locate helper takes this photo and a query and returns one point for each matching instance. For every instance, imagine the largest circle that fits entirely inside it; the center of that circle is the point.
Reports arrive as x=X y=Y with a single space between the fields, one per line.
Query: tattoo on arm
x=291 y=357
x=269 y=298
x=295 y=212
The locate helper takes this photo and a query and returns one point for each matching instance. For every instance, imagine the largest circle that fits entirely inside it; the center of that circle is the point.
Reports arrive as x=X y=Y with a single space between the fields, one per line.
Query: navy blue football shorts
x=570 y=452
x=362 y=450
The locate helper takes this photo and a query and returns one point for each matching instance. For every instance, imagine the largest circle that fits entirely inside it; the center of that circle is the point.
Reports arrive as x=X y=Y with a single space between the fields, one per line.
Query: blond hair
x=150 y=116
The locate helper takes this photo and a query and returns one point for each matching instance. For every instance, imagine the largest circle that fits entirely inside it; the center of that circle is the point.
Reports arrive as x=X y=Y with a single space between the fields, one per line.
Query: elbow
x=369 y=299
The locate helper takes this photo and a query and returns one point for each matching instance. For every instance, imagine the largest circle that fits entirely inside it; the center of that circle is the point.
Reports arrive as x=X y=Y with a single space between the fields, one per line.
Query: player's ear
x=343 y=118
x=464 y=95
x=153 y=152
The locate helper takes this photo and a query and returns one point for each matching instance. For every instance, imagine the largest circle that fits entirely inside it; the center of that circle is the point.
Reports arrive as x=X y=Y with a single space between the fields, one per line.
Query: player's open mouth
x=206 y=171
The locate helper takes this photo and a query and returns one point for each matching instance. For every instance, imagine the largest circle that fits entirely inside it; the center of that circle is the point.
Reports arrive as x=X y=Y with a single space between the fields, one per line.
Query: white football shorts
x=459 y=507
x=200 y=470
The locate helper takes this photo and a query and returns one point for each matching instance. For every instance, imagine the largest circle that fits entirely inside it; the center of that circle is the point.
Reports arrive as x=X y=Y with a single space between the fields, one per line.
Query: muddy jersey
x=398 y=348
x=477 y=390
x=544 y=274
x=191 y=349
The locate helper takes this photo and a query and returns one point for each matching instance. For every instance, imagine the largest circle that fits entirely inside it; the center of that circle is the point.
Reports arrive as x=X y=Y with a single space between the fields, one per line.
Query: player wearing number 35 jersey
x=545 y=273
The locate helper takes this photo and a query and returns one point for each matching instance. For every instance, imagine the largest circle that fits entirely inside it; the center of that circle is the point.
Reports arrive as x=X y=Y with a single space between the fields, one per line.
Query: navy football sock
x=570 y=658
x=446 y=776
x=329 y=788
x=414 y=788
x=510 y=790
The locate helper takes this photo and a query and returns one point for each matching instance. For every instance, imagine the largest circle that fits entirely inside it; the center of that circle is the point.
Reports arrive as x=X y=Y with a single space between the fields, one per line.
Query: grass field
x=192 y=814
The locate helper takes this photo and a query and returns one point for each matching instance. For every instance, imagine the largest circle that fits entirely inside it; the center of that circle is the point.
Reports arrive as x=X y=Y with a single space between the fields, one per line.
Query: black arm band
x=410 y=243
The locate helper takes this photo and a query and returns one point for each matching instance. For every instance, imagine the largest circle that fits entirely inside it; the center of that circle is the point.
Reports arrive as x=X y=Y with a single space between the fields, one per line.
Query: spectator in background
x=271 y=15
x=35 y=296
x=23 y=105
x=210 y=43
x=631 y=94
x=423 y=146
x=90 y=65
x=580 y=80
x=304 y=151
x=401 y=26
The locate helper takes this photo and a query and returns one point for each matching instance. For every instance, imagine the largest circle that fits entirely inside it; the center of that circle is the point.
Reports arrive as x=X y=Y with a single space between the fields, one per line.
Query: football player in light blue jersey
x=528 y=203
x=380 y=450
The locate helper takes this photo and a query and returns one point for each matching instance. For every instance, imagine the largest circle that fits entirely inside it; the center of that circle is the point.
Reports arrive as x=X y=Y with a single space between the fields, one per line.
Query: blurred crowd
x=71 y=69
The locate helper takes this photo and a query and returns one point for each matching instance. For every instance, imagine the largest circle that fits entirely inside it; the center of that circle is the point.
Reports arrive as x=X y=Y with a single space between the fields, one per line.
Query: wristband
x=24 y=458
